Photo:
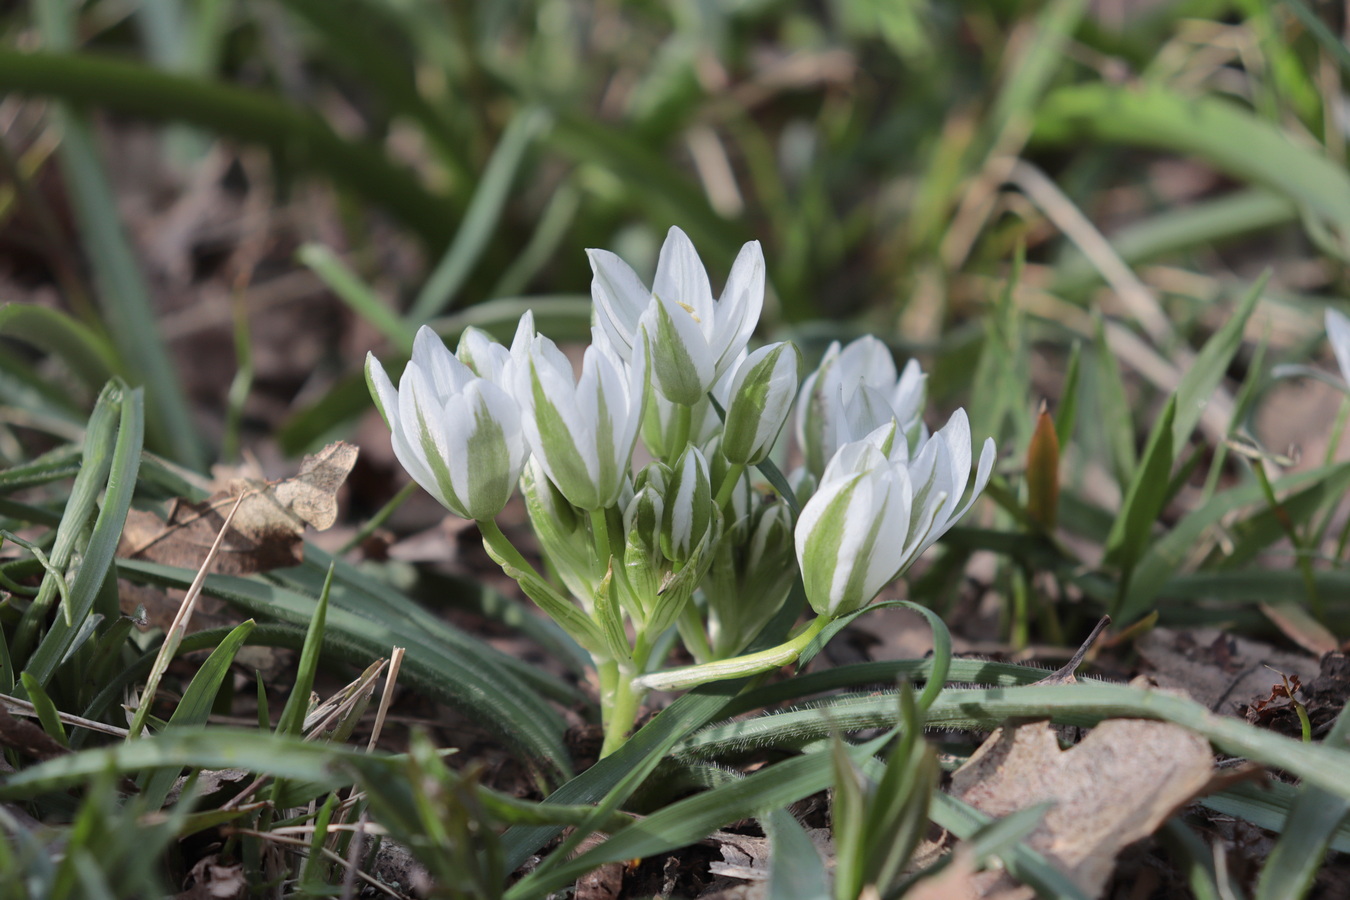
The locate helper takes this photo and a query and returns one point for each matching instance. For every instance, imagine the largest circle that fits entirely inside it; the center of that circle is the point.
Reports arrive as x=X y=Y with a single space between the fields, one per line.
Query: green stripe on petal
x=558 y=452
x=681 y=368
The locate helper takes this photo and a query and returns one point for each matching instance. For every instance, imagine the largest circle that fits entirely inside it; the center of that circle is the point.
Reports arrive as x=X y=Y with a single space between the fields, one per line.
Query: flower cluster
x=689 y=541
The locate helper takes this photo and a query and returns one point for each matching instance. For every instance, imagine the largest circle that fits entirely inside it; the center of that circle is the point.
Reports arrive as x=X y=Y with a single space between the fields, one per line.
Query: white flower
x=1338 y=333
x=688 y=513
x=853 y=392
x=694 y=340
x=582 y=432
x=458 y=435
x=487 y=358
x=876 y=510
x=761 y=392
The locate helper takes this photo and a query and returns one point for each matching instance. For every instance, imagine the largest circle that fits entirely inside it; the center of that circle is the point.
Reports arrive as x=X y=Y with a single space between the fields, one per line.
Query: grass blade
x=482 y=216
x=296 y=135
x=96 y=566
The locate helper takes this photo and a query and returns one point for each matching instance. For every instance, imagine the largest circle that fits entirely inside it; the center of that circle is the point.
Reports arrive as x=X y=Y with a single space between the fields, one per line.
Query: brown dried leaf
x=1221 y=671
x=27 y=738
x=211 y=879
x=267 y=531
x=1117 y=786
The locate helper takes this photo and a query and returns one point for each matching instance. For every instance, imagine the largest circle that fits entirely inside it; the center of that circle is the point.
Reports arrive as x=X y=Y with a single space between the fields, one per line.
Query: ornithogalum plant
x=690 y=544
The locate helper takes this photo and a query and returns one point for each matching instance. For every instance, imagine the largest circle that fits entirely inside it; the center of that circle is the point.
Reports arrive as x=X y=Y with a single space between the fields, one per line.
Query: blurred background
x=231 y=201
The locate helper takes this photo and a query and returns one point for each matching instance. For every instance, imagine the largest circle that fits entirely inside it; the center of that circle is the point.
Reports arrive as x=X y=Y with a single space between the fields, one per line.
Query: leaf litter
x=268 y=529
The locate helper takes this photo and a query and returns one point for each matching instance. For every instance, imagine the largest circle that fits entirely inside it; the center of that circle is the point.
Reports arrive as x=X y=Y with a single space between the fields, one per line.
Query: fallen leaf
x=956 y=881
x=267 y=531
x=1221 y=671
x=212 y=880
x=1118 y=785
x=1300 y=627
x=27 y=738
x=747 y=857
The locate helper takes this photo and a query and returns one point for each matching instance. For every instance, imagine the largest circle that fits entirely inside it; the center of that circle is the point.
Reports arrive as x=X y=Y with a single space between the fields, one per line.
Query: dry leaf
x=267 y=531
x=210 y=879
x=958 y=881
x=1118 y=785
x=747 y=857
x=1218 y=670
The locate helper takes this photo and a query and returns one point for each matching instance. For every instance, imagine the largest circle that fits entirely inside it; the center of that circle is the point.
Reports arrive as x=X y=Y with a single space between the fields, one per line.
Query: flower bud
x=876 y=510
x=581 y=432
x=689 y=511
x=761 y=393
x=853 y=391
x=458 y=435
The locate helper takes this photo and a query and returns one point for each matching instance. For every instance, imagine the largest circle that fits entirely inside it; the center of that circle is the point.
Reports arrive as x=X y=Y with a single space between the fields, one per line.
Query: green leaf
x=467 y=675
x=296 y=135
x=1218 y=131
x=1207 y=371
x=1164 y=558
x=216 y=748
x=694 y=818
x=480 y=220
x=80 y=507
x=194 y=707
x=88 y=354
x=796 y=871
x=1144 y=499
x=96 y=566
x=358 y=295
x=1176 y=230
x=292 y=719
x=1312 y=823
x=46 y=710
x=942 y=643
x=615 y=777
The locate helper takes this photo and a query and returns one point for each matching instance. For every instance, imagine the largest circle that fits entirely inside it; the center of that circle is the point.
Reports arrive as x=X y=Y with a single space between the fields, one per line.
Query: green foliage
x=884 y=203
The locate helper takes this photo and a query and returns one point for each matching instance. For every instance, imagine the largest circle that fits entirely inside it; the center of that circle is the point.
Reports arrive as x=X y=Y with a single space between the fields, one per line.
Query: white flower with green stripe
x=582 y=432
x=458 y=435
x=694 y=339
x=761 y=394
x=876 y=509
x=851 y=393
x=1338 y=334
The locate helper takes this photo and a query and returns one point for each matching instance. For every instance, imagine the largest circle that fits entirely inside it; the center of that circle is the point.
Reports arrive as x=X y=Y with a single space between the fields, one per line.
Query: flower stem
x=600 y=539
x=738 y=666
x=728 y=486
x=679 y=435
x=620 y=712
x=619 y=702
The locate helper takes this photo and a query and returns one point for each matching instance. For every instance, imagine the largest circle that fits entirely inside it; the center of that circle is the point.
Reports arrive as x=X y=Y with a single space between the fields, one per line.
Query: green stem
x=619 y=715
x=728 y=486
x=505 y=549
x=694 y=634
x=619 y=705
x=1302 y=553
x=679 y=436
x=736 y=667
x=600 y=539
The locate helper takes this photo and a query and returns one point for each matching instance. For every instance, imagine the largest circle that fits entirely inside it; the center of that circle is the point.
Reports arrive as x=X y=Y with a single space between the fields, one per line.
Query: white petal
x=1338 y=332
x=892 y=508
x=386 y=395
x=447 y=375
x=956 y=434
x=867 y=360
x=683 y=367
x=909 y=394
x=619 y=296
x=740 y=306
x=484 y=356
x=681 y=278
